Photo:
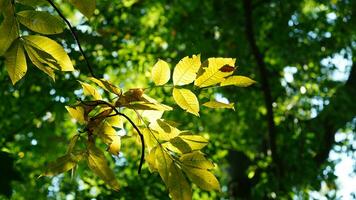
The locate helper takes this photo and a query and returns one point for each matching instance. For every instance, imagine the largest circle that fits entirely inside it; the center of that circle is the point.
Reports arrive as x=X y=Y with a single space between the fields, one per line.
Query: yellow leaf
x=151 y=160
x=115 y=121
x=214 y=72
x=165 y=131
x=38 y=62
x=217 y=104
x=76 y=112
x=202 y=178
x=90 y=90
x=8 y=31
x=115 y=145
x=196 y=159
x=172 y=176
x=186 y=100
x=98 y=164
x=41 y=22
x=106 y=132
x=106 y=86
x=15 y=62
x=150 y=140
x=186 y=70
x=188 y=143
x=239 y=81
x=86 y=7
x=52 y=49
x=161 y=72
x=62 y=164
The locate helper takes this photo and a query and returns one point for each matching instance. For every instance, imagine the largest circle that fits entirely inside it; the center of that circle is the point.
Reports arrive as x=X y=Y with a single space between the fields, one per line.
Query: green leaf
x=86 y=7
x=32 y=3
x=52 y=48
x=38 y=62
x=186 y=70
x=15 y=62
x=239 y=81
x=41 y=22
x=172 y=176
x=90 y=90
x=186 y=100
x=161 y=72
x=217 y=104
x=8 y=33
x=98 y=164
x=202 y=178
x=62 y=164
x=196 y=159
x=215 y=71
x=106 y=86
x=76 y=112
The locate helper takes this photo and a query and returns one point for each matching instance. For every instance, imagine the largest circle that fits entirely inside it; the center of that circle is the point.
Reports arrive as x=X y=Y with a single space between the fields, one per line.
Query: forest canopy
x=162 y=99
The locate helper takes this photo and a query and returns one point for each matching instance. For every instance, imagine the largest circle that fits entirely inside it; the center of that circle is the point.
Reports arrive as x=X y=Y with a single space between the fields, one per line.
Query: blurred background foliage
x=300 y=52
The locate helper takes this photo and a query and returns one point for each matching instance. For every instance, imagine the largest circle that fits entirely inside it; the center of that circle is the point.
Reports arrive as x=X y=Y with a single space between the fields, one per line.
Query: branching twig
x=72 y=30
x=133 y=124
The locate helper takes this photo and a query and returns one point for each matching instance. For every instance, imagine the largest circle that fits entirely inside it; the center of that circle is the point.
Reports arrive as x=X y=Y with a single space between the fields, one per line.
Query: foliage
x=170 y=150
x=275 y=145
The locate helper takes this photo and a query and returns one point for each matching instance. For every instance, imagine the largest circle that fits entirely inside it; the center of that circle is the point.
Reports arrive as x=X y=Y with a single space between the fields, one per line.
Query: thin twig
x=74 y=34
x=133 y=124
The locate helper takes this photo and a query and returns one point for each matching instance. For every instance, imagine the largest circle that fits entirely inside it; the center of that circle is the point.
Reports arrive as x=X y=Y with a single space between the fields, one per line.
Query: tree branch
x=133 y=124
x=75 y=36
x=264 y=80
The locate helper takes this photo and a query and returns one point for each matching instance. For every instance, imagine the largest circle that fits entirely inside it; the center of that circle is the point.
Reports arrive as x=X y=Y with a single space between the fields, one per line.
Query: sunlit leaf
x=165 y=131
x=172 y=176
x=240 y=81
x=76 y=112
x=196 y=159
x=161 y=73
x=106 y=86
x=98 y=164
x=215 y=72
x=52 y=48
x=115 y=145
x=86 y=7
x=15 y=62
x=90 y=90
x=8 y=33
x=41 y=22
x=62 y=164
x=151 y=160
x=217 y=104
x=196 y=142
x=115 y=121
x=38 y=62
x=186 y=100
x=150 y=140
x=186 y=70
x=202 y=178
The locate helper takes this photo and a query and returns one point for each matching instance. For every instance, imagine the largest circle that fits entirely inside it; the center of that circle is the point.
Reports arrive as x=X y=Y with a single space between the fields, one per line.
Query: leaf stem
x=135 y=127
x=74 y=34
